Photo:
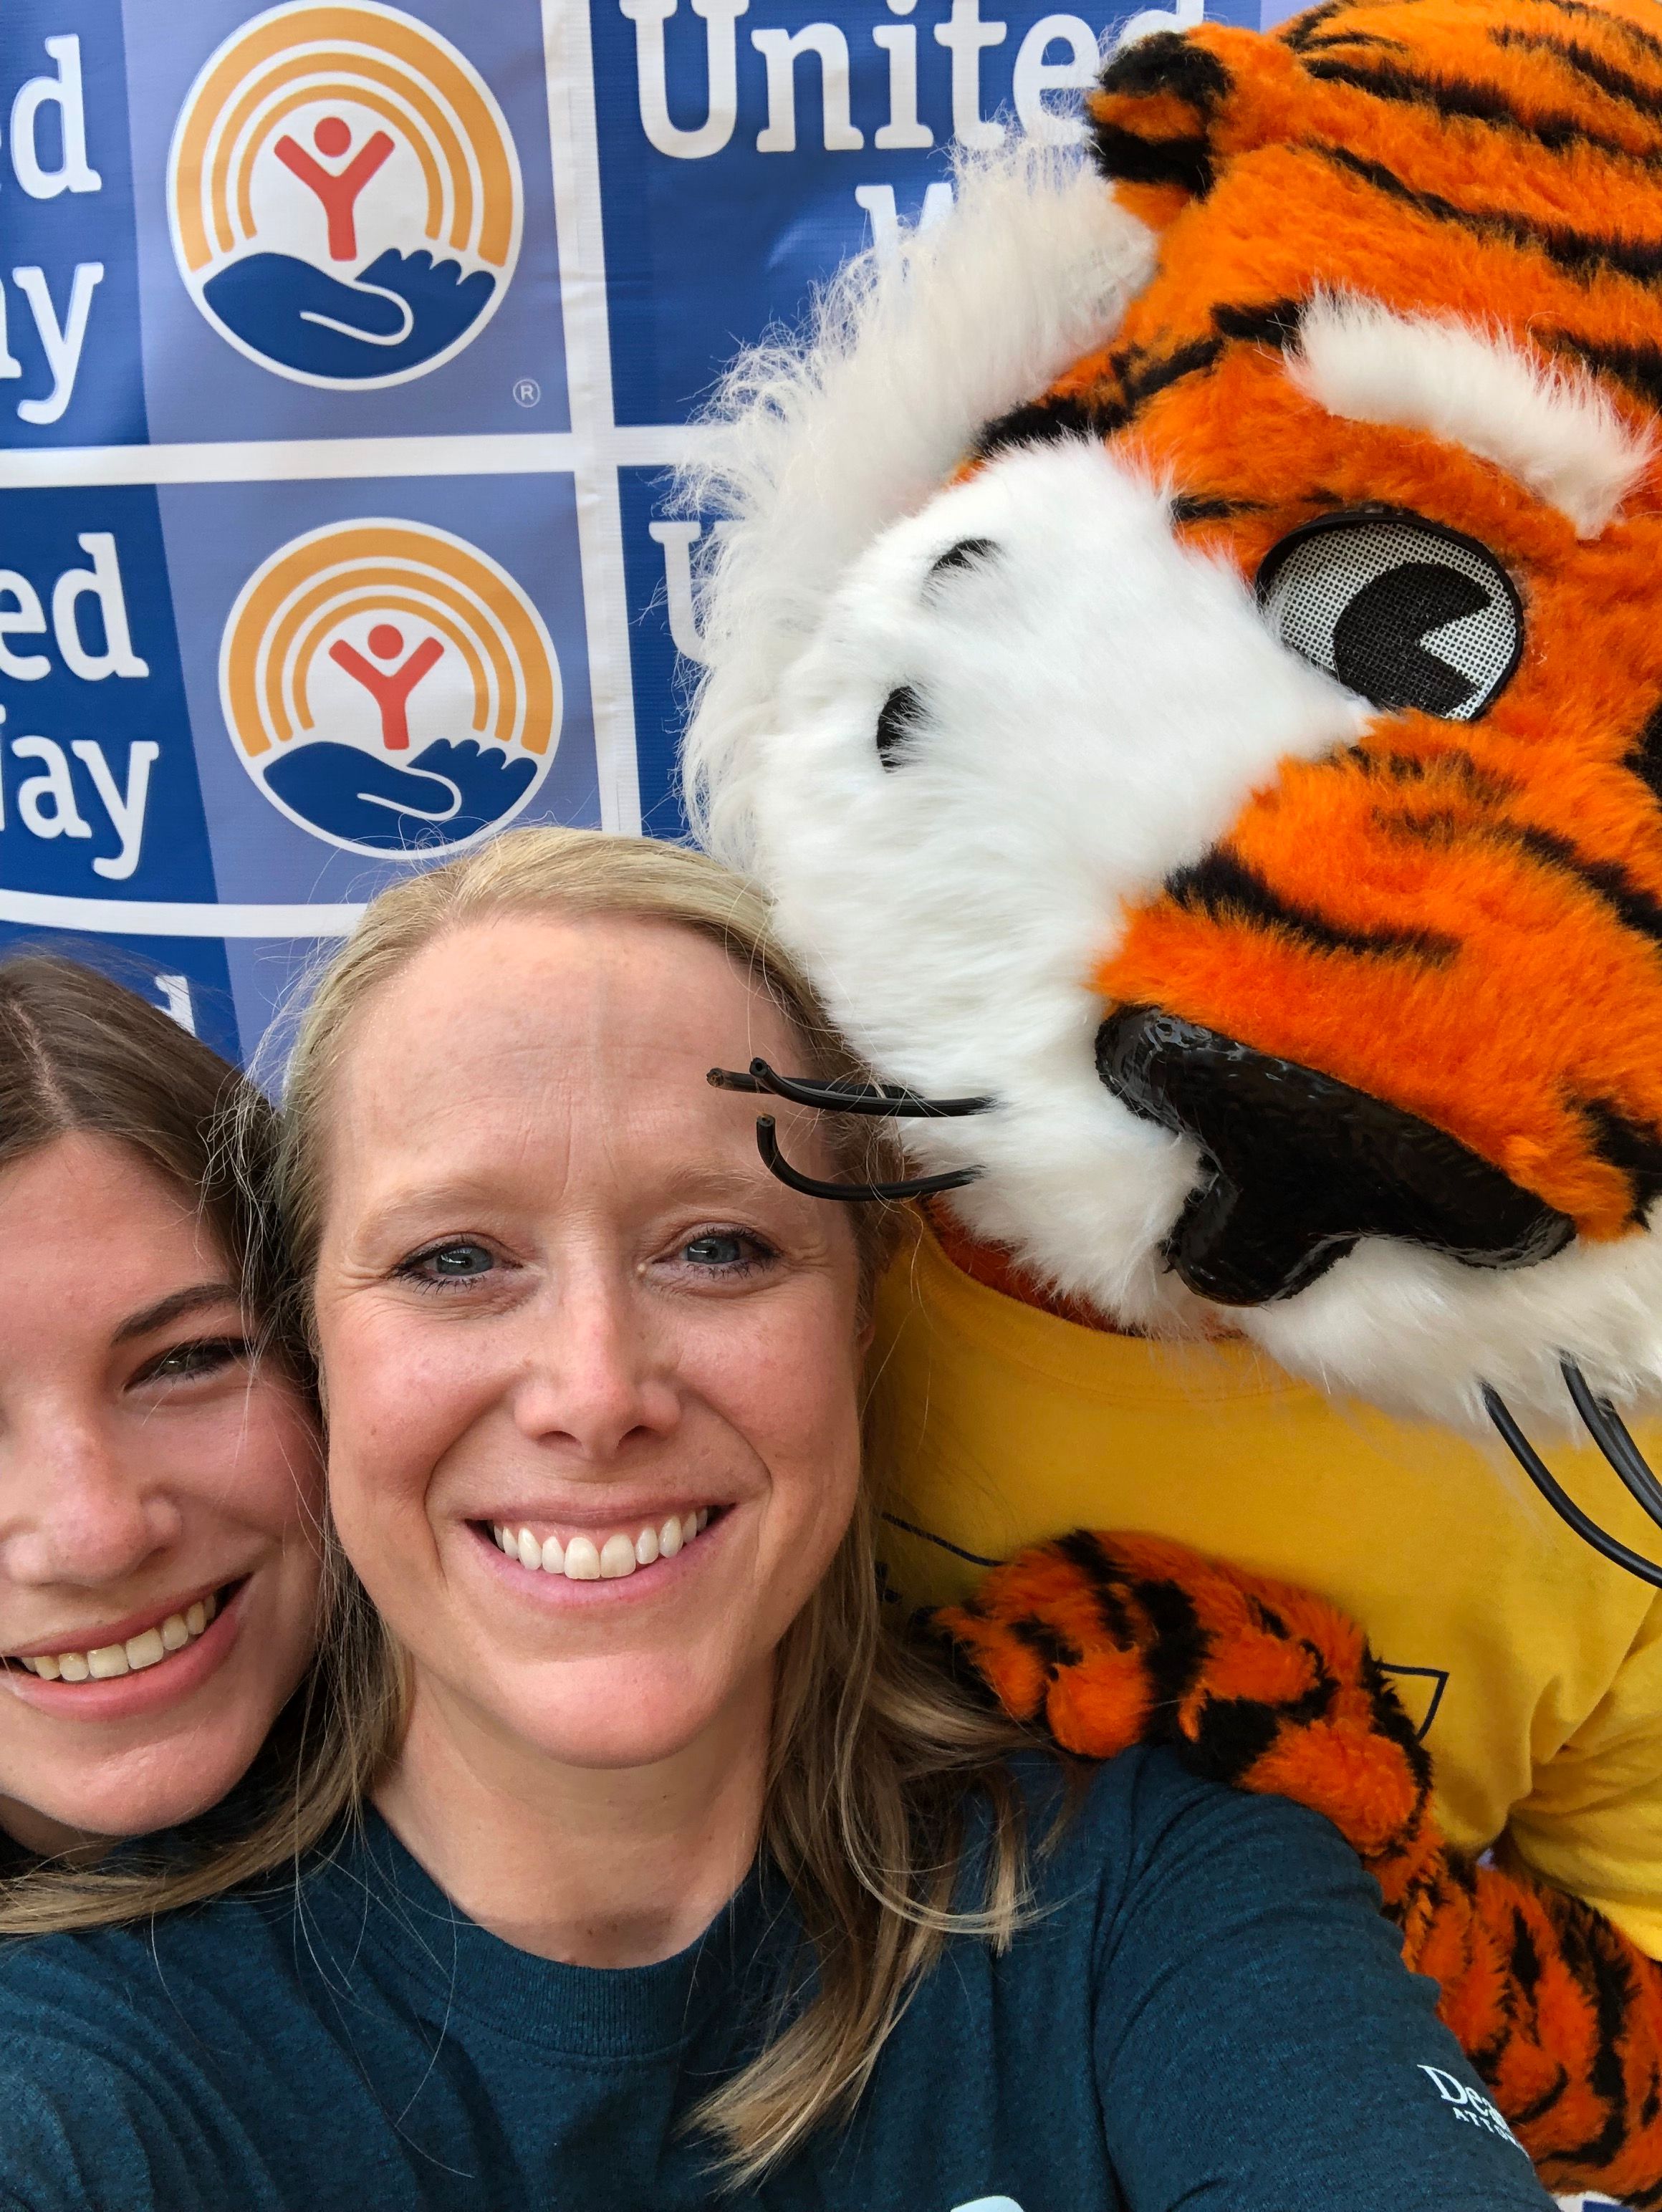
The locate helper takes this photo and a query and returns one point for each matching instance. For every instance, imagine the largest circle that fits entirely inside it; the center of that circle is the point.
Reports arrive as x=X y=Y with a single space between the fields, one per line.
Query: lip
x=117 y=1631
x=554 y=1593
x=127 y=1697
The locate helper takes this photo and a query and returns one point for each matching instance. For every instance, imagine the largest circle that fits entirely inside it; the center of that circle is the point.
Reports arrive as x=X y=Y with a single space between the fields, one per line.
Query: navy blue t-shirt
x=1207 y=2011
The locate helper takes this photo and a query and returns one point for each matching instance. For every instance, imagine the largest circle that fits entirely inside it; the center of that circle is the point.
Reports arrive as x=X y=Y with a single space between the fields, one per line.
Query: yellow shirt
x=1533 y=1668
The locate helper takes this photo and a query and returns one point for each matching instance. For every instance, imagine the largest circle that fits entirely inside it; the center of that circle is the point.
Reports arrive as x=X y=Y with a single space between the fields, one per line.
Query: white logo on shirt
x=989 y=2204
x=1470 y=2105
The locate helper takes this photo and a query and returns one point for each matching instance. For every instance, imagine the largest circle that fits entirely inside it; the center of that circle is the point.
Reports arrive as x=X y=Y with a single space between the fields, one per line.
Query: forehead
x=106 y=1213
x=498 y=1019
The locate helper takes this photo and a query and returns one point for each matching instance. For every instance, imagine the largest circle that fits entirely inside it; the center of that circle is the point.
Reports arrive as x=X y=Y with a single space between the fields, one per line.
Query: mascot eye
x=1401 y=611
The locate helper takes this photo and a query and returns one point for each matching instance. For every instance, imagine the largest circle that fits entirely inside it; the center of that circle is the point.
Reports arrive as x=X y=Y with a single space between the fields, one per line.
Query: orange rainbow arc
x=367 y=54
x=288 y=609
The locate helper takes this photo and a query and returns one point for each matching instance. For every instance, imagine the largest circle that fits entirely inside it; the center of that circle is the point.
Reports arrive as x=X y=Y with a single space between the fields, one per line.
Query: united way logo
x=345 y=195
x=389 y=687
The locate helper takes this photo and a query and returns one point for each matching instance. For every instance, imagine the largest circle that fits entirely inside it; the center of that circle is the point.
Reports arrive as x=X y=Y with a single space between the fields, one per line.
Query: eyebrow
x=174 y=1307
x=1553 y=430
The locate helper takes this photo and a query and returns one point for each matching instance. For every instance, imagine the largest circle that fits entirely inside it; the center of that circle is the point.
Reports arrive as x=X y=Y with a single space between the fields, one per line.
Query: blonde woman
x=648 y=1866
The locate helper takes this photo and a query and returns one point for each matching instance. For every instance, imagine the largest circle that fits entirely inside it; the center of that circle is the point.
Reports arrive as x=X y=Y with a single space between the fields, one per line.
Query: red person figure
x=389 y=687
x=337 y=189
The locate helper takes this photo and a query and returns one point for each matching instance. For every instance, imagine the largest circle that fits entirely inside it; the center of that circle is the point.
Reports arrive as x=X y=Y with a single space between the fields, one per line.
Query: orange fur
x=1111 y=1640
x=1499 y=161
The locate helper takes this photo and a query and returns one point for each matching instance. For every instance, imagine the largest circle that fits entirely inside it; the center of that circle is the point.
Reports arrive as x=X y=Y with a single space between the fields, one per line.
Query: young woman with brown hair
x=656 y=1867
x=160 y=1485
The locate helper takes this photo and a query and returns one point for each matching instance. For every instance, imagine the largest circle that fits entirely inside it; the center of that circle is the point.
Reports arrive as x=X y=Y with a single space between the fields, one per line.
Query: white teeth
x=146 y=1649
x=583 y=1561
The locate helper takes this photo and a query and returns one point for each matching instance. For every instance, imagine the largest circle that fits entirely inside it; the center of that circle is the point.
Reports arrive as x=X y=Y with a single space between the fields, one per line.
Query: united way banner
x=344 y=348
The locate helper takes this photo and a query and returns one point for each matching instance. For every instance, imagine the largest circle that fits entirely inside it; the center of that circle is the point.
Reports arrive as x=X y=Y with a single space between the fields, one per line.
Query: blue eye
x=716 y=1249
x=460 y=1263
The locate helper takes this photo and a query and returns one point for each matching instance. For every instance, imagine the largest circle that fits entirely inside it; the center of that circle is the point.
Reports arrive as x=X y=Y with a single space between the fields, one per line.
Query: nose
x=75 y=1513
x=597 y=1379
x=1298 y=1167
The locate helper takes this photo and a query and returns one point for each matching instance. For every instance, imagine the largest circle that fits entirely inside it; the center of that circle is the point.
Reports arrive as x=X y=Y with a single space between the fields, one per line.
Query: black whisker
x=842 y=1095
x=1608 y=1546
x=1609 y=1432
x=767 y=1142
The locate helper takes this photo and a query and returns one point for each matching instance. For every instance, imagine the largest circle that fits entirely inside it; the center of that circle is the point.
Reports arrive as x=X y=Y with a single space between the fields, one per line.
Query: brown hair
x=83 y=1055
x=875 y=1752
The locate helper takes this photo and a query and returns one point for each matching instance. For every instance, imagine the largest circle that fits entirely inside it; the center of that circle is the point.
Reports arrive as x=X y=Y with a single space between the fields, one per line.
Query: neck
x=595 y=1867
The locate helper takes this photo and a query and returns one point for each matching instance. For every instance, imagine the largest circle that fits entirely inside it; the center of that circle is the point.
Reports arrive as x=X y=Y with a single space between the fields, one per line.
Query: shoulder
x=1144 y=1800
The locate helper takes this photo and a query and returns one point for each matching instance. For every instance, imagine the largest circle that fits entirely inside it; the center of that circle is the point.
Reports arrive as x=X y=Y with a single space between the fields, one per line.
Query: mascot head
x=1186 y=655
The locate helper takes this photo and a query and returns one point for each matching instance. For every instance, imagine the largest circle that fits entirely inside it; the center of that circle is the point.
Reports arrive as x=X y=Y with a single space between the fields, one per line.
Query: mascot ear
x=1171 y=106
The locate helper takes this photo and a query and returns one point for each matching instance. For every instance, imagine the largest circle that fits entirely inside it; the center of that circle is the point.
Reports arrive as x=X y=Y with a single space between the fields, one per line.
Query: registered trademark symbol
x=527 y=392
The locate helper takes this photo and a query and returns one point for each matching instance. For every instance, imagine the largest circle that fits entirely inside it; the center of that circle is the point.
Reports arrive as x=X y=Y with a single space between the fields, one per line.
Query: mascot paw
x=1108 y=1640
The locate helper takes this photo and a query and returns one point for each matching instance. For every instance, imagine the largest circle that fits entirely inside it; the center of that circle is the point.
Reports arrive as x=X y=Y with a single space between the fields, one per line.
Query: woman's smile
x=116 y=1671
x=638 y=1549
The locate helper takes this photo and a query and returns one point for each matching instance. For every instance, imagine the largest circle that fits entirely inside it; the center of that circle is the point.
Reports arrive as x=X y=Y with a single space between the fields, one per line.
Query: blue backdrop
x=342 y=350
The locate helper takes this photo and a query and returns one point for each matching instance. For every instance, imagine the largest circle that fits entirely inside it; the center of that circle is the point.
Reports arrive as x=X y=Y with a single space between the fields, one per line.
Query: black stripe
x=1196 y=507
x=1045 y=1642
x=1619 y=84
x=1644 y=42
x=1141 y=376
x=1267 y=323
x=1481 y=785
x=1045 y=422
x=1645 y=760
x=1222 y=887
x=1632 y=906
x=1168 y=61
x=1304 y=31
x=1366 y=39
x=1165 y=64
x=1581 y=253
x=1638 y=366
x=1180 y=1644
x=1538 y=2107
x=1628 y=1145
x=1124 y=157
x=1461 y=99
x=1611 y=1988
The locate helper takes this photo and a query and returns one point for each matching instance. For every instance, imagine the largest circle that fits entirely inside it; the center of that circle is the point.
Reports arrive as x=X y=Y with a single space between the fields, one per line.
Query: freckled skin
x=132 y=1474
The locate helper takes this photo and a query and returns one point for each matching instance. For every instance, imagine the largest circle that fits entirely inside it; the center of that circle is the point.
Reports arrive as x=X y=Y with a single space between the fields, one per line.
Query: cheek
x=259 y=1461
x=793 y=1396
x=399 y=1395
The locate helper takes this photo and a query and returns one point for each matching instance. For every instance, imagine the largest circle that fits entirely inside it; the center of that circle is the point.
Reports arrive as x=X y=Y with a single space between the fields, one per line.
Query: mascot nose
x=1298 y=1167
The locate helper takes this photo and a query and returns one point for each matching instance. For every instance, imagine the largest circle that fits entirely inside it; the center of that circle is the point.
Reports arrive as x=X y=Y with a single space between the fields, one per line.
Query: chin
x=611 y=1714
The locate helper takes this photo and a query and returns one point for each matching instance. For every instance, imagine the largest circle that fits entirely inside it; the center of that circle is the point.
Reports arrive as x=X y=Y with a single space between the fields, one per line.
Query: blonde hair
x=875 y=1753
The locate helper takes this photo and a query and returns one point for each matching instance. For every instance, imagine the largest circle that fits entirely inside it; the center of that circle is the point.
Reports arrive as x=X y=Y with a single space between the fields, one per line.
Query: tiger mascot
x=1184 y=650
